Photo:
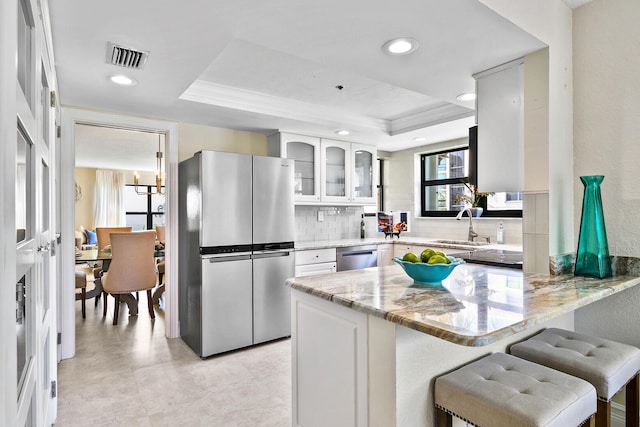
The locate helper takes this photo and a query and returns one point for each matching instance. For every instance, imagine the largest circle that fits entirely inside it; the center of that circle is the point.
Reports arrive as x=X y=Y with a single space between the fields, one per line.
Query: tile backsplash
x=319 y=223
x=331 y=223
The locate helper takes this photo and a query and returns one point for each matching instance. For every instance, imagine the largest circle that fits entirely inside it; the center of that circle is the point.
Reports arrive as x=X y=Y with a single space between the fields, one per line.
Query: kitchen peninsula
x=367 y=344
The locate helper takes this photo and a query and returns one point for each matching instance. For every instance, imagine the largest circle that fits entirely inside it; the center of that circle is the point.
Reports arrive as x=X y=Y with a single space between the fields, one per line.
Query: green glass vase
x=593 y=249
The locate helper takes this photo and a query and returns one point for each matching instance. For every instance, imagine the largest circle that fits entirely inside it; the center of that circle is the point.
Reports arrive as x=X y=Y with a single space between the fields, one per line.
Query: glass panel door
x=363 y=174
x=335 y=165
x=26 y=278
x=304 y=173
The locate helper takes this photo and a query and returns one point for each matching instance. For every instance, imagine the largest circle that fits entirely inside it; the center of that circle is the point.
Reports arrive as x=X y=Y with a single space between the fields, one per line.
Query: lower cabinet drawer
x=313 y=269
x=315 y=256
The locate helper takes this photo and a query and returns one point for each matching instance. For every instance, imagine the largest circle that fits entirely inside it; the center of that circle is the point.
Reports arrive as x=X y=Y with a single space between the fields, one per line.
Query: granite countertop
x=476 y=305
x=421 y=241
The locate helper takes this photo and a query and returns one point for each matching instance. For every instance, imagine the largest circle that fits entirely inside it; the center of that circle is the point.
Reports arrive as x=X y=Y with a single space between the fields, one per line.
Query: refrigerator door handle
x=271 y=254
x=226 y=258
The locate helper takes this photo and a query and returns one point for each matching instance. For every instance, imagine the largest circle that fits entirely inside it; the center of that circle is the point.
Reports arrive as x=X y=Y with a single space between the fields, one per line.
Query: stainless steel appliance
x=236 y=250
x=357 y=257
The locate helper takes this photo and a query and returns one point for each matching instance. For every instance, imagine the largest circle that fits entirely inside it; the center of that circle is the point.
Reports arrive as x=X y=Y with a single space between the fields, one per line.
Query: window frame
x=471 y=178
x=148 y=213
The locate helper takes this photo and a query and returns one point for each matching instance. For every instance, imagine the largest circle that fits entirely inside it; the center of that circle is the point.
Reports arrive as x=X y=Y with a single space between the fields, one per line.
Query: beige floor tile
x=132 y=375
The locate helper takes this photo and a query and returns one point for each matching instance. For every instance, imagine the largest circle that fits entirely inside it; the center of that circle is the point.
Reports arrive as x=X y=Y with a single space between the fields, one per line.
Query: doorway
x=71 y=118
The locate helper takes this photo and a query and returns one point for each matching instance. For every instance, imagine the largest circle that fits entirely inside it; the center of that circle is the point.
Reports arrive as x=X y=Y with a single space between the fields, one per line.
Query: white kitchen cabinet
x=349 y=172
x=500 y=118
x=315 y=261
x=385 y=254
x=364 y=174
x=328 y=171
x=400 y=249
x=335 y=159
x=305 y=152
x=328 y=342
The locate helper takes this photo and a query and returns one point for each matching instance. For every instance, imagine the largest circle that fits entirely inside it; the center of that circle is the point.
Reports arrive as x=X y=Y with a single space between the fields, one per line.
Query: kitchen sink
x=461 y=242
x=495 y=257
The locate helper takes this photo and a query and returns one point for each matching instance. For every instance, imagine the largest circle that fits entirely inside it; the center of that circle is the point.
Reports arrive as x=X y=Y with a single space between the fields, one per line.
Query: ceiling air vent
x=126 y=57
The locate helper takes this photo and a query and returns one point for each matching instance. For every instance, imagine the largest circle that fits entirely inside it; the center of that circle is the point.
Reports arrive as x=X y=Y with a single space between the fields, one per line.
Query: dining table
x=105 y=255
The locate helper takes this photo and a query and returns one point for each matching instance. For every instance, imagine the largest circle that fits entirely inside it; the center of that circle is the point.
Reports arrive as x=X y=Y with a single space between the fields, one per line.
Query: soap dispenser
x=500 y=234
x=362 y=226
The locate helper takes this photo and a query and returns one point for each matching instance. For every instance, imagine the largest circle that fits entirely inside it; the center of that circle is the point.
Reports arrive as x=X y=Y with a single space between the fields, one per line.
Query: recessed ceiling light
x=419 y=138
x=400 y=46
x=343 y=132
x=469 y=96
x=123 y=80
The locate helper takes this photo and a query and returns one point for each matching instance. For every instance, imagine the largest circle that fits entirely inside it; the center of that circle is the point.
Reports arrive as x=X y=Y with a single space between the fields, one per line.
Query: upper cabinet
x=335 y=159
x=305 y=151
x=500 y=118
x=364 y=177
x=328 y=171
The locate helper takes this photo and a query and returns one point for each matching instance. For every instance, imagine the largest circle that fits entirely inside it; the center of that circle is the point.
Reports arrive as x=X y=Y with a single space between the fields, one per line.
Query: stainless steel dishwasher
x=356 y=257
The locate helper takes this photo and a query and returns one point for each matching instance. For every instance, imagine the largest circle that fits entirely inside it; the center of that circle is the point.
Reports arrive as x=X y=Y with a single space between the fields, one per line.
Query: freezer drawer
x=271 y=297
x=226 y=304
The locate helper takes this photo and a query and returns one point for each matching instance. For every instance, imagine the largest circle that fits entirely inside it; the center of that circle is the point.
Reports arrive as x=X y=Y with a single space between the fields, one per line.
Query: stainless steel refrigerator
x=236 y=216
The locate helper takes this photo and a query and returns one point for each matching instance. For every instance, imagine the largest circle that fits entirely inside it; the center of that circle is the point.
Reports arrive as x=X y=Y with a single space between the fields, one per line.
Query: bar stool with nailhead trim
x=501 y=390
x=607 y=365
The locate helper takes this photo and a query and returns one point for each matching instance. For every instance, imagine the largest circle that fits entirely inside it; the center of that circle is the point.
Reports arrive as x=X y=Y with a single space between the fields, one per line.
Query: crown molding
x=442 y=113
x=239 y=99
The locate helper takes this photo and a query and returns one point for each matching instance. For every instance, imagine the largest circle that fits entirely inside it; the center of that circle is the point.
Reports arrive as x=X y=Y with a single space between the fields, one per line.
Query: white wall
x=606 y=129
x=194 y=138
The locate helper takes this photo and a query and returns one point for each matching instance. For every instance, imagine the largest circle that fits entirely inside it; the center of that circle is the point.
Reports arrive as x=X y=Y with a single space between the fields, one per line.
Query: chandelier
x=158 y=187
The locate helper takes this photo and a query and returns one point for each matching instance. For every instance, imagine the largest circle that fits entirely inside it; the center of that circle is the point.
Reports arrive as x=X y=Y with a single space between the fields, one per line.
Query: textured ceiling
x=275 y=65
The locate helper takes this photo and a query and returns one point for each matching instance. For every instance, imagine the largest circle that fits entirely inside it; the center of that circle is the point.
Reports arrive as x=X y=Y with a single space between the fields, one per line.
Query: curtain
x=109 y=210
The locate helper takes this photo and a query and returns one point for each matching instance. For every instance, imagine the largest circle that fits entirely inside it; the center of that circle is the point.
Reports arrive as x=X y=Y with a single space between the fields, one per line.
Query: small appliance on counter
x=393 y=223
x=236 y=232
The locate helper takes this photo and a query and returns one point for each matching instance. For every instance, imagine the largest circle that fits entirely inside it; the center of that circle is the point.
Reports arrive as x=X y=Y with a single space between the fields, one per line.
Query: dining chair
x=160 y=231
x=103 y=236
x=132 y=267
x=81 y=283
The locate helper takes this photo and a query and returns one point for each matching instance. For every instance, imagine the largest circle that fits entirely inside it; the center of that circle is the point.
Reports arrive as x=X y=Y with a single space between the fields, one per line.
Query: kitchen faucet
x=472 y=234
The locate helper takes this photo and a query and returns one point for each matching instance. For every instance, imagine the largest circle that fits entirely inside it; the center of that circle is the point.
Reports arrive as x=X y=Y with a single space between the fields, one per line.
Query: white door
x=36 y=330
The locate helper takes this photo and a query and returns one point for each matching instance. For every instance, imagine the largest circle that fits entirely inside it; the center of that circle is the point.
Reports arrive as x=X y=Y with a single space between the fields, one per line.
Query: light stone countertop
x=475 y=306
x=419 y=241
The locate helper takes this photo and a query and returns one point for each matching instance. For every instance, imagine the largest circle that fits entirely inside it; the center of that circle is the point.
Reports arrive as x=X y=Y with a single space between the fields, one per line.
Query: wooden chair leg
x=443 y=419
x=97 y=299
x=104 y=303
x=84 y=303
x=116 y=310
x=632 y=394
x=150 y=304
x=603 y=416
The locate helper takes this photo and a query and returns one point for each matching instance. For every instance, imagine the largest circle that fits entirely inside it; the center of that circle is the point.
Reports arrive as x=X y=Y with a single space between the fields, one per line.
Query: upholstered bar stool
x=501 y=390
x=606 y=364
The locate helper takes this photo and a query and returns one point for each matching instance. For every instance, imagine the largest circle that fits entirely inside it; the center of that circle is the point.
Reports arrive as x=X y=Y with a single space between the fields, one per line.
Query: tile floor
x=132 y=375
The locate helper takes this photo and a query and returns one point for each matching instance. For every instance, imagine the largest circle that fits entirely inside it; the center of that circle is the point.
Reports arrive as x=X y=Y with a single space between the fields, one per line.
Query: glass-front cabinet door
x=364 y=174
x=305 y=151
x=336 y=161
